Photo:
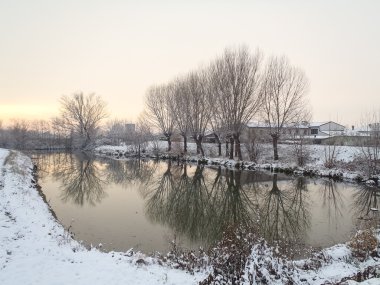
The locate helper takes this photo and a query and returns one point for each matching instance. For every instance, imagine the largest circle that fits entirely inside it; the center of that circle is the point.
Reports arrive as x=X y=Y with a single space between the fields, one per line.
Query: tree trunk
x=231 y=147
x=201 y=148
x=238 y=146
x=86 y=141
x=275 y=186
x=169 y=143
x=226 y=148
x=275 y=148
x=237 y=178
x=198 y=142
x=184 y=143
x=219 y=144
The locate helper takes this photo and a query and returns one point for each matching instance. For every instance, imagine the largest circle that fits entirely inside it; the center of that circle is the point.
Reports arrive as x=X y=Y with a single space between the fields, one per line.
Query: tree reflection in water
x=180 y=201
x=235 y=202
x=333 y=201
x=79 y=176
x=366 y=205
x=284 y=213
x=126 y=172
x=81 y=180
x=83 y=177
x=202 y=206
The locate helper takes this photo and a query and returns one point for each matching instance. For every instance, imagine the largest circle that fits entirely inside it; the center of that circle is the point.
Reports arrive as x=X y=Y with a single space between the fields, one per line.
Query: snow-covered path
x=35 y=249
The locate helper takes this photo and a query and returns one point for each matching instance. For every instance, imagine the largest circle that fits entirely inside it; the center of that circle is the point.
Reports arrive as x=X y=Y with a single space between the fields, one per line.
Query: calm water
x=146 y=204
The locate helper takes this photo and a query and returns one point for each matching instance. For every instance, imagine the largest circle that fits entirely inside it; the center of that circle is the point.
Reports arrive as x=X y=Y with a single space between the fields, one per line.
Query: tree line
x=224 y=96
x=80 y=125
x=219 y=99
x=77 y=125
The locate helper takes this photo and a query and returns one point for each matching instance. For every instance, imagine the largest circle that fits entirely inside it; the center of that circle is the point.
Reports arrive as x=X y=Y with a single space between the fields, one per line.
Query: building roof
x=318 y=124
x=256 y=124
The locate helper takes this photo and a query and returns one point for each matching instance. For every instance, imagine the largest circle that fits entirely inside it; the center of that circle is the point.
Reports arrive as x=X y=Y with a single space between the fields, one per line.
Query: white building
x=314 y=130
x=326 y=129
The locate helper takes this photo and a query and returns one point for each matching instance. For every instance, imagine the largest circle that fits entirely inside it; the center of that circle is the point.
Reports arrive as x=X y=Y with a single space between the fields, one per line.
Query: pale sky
x=117 y=49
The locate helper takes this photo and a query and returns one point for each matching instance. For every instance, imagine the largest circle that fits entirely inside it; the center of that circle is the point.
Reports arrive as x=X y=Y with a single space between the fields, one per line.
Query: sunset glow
x=119 y=48
x=27 y=112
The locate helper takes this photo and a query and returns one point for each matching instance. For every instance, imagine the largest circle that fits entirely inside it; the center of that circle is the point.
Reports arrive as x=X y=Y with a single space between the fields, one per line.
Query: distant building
x=368 y=130
x=263 y=130
x=315 y=131
x=326 y=129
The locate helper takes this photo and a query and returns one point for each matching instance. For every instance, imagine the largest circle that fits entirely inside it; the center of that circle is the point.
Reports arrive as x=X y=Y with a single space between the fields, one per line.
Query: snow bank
x=374 y=281
x=35 y=248
x=330 y=266
x=346 y=168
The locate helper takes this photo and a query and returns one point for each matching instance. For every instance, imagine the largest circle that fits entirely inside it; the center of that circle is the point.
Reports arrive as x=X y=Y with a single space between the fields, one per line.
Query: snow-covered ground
x=335 y=263
x=317 y=152
x=36 y=249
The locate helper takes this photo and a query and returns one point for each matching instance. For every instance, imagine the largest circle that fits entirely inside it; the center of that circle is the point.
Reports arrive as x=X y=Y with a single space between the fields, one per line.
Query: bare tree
x=143 y=135
x=301 y=149
x=219 y=129
x=82 y=115
x=199 y=97
x=19 y=132
x=370 y=146
x=159 y=110
x=181 y=109
x=40 y=134
x=62 y=136
x=118 y=131
x=283 y=91
x=235 y=81
x=114 y=131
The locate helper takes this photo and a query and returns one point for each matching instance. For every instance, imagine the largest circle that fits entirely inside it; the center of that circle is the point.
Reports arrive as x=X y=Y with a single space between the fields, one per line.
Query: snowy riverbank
x=36 y=249
x=347 y=165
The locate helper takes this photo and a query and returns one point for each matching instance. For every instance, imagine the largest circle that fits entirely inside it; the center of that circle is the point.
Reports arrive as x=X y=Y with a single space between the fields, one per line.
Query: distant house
x=357 y=136
x=316 y=131
x=262 y=129
x=326 y=129
x=209 y=137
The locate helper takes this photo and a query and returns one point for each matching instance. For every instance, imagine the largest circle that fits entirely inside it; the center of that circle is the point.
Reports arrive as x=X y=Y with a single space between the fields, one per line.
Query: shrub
x=363 y=243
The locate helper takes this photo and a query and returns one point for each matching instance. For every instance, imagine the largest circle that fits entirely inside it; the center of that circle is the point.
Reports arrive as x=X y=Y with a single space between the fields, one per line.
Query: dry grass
x=363 y=244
